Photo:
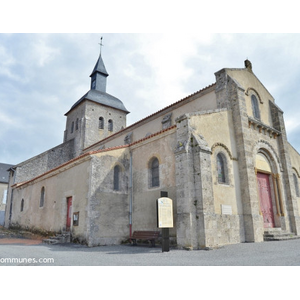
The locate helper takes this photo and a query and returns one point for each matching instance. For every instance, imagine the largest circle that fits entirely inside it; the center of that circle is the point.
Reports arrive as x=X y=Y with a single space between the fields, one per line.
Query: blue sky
x=43 y=75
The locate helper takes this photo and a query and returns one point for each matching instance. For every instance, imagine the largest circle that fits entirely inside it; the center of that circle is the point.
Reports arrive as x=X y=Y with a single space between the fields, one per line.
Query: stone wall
x=70 y=181
x=82 y=124
x=44 y=162
x=200 y=222
x=295 y=164
x=287 y=175
x=144 y=194
x=231 y=94
x=108 y=209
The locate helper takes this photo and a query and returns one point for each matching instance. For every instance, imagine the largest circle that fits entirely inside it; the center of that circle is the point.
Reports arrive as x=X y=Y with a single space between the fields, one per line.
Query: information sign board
x=165 y=212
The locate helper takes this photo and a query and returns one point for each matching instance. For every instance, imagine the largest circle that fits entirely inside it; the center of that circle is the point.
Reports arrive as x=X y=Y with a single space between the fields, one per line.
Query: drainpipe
x=131 y=195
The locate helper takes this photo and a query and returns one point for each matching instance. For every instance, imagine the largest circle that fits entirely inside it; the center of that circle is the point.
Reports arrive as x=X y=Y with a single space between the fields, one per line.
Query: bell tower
x=99 y=76
x=97 y=114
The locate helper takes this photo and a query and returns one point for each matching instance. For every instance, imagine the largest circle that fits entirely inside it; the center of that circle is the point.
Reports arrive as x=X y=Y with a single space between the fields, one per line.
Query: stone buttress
x=194 y=188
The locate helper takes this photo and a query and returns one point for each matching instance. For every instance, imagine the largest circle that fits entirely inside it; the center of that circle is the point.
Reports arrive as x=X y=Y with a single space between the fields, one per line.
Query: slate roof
x=99 y=67
x=98 y=96
x=101 y=98
x=4 y=173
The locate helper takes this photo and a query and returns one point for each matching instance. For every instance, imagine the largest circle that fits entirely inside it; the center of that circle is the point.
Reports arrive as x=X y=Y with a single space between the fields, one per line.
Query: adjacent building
x=4 y=173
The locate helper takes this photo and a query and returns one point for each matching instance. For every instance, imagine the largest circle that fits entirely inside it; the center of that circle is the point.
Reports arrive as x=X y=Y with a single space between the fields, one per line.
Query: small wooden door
x=69 y=212
x=265 y=199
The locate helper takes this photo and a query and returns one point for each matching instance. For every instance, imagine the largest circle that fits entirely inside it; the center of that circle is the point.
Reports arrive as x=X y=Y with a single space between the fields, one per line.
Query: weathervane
x=100 y=44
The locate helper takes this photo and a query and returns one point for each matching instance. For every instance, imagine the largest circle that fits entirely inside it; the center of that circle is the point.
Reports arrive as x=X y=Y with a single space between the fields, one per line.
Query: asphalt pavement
x=22 y=252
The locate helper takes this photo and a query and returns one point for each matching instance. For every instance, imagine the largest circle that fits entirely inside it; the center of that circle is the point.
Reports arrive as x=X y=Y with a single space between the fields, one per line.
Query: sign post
x=165 y=219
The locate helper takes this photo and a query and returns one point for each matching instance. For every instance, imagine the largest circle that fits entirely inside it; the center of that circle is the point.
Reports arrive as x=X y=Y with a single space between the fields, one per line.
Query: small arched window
x=154 y=172
x=72 y=127
x=255 y=108
x=42 y=199
x=22 y=205
x=221 y=167
x=101 y=123
x=116 y=178
x=296 y=185
x=110 y=125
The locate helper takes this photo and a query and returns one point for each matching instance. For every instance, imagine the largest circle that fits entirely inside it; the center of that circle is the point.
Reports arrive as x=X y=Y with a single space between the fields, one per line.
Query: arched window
x=116 y=178
x=296 y=185
x=101 y=123
x=154 y=172
x=22 y=204
x=255 y=108
x=72 y=127
x=42 y=199
x=110 y=125
x=221 y=167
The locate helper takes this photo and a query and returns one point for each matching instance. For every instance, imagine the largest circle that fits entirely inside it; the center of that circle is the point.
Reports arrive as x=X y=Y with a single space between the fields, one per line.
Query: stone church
x=221 y=154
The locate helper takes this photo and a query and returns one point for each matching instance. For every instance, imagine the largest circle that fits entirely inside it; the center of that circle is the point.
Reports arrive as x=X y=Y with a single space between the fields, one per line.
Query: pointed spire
x=99 y=74
x=99 y=67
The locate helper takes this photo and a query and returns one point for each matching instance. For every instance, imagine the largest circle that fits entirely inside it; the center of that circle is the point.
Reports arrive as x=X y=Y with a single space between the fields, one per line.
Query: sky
x=156 y=53
x=43 y=74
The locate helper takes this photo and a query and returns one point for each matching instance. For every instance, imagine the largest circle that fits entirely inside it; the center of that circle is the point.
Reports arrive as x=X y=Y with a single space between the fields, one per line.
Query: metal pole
x=131 y=195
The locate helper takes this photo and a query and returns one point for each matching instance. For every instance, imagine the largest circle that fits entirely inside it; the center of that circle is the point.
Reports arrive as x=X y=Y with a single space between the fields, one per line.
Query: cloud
x=43 y=53
x=43 y=75
x=6 y=62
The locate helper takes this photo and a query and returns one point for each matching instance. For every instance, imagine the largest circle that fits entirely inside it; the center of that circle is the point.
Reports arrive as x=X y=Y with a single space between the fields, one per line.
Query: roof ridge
x=181 y=100
x=149 y=116
x=152 y=135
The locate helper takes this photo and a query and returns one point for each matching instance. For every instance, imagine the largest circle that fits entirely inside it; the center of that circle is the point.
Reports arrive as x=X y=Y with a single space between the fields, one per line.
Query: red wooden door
x=265 y=199
x=69 y=212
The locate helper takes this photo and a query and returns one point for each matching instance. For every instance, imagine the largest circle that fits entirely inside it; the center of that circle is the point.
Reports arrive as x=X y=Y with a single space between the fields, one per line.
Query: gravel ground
x=18 y=233
x=24 y=252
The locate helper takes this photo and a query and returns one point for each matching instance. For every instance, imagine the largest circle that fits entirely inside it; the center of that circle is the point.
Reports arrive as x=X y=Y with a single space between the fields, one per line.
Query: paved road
x=25 y=252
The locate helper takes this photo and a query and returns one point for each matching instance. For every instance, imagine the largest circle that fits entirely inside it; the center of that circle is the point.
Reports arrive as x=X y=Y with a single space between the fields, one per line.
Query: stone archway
x=268 y=189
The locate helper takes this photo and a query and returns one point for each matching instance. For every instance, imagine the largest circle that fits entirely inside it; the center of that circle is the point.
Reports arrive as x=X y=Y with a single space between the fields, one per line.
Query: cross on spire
x=100 y=44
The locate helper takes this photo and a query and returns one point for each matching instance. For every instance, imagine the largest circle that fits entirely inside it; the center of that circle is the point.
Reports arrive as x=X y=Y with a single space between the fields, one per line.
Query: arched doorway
x=266 y=191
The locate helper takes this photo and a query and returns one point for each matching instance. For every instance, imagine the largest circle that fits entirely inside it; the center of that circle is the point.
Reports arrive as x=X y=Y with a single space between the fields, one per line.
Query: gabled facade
x=221 y=154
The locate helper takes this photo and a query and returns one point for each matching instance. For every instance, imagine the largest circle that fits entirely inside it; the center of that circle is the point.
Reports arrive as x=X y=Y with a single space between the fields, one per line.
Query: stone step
x=281 y=238
x=50 y=241
x=59 y=238
x=276 y=234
